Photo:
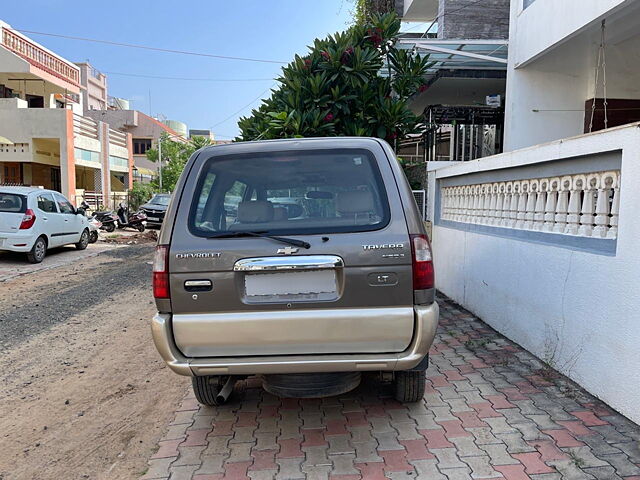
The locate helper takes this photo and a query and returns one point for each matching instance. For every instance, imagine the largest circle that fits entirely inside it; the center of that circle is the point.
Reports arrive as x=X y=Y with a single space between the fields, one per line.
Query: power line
x=246 y=106
x=145 y=47
x=139 y=75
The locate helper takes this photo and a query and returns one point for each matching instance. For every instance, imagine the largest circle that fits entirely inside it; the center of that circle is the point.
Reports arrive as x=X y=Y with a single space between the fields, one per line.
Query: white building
x=541 y=241
x=44 y=138
x=553 y=59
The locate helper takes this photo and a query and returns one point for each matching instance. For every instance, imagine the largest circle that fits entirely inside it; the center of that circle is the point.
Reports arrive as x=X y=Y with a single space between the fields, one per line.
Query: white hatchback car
x=33 y=220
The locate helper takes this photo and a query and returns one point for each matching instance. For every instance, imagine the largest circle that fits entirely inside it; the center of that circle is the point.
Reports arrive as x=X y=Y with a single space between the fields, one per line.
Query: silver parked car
x=304 y=261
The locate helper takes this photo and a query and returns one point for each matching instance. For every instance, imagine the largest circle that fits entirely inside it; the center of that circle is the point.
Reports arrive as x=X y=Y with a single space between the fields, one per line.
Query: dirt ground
x=85 y=396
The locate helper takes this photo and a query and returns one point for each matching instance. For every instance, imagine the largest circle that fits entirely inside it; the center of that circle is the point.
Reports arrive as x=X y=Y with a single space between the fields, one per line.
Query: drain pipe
x=226 y=390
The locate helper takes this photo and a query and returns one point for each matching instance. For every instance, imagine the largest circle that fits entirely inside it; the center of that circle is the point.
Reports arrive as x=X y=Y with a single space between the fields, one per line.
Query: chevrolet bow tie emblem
x=287 y=250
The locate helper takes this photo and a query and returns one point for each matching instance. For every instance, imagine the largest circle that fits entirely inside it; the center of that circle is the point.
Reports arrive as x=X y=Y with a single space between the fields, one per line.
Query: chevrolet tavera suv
x=304 y=261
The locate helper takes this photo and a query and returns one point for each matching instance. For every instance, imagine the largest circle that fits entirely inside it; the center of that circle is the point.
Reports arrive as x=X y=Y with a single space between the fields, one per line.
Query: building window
x=526 y=3
x=141 y=145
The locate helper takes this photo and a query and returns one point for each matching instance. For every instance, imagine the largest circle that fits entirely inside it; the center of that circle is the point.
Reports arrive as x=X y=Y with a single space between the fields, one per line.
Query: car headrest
x=356 y=201
x=294 y=210
x=255 y=211
x=280 y=213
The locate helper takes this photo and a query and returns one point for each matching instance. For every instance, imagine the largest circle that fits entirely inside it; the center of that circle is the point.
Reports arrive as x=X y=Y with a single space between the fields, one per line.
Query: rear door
x=12 y=208
x=350 y=292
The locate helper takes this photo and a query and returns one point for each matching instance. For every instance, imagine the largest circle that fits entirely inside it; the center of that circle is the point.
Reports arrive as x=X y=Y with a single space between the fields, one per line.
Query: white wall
x=553 y=49
x=547 y=23
x=579 y=310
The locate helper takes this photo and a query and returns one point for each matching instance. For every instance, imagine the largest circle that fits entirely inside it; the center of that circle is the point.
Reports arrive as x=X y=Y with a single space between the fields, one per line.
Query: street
x=83 y=393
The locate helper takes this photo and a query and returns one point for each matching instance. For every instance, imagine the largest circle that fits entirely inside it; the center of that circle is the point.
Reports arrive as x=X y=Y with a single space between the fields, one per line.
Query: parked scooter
x=96 y=224
x=135 y=220
x=107 y=219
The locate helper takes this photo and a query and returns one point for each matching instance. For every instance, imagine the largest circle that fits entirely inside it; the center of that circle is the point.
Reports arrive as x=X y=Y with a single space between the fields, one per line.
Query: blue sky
x=264 y=29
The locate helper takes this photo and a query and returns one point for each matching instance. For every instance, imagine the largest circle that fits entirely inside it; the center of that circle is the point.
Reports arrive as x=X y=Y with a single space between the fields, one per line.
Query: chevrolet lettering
x=297 y=298
x=181 y=256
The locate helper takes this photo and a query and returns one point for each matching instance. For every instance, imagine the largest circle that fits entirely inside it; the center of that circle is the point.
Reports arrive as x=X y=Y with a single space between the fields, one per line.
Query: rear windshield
x=12 y=203
x=290 y=192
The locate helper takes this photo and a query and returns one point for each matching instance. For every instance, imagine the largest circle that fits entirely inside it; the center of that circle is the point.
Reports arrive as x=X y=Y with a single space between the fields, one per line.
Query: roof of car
x=22 y=190
x=312 y=143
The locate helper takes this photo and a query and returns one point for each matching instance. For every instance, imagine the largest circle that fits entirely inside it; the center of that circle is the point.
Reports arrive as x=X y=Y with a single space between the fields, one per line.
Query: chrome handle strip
x=300 y=262
x=197 y=283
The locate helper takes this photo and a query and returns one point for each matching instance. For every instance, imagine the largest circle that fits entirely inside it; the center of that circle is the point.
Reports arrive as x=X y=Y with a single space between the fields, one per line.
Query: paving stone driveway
x=491 y=410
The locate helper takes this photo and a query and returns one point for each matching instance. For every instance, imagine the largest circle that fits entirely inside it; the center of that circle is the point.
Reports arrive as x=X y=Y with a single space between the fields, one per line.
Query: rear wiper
x=290 y=241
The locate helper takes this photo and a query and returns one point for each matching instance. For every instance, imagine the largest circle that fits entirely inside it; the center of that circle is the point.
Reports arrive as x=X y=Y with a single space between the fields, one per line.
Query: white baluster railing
x=585 y=205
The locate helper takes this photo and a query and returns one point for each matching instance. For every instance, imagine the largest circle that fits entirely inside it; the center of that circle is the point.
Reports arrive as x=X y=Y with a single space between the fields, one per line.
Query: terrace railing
x=40 y=57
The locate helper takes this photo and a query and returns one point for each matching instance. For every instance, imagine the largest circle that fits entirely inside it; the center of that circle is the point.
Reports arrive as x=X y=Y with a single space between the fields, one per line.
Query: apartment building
x=94 y=87
x=145 y=131
x=44 y=138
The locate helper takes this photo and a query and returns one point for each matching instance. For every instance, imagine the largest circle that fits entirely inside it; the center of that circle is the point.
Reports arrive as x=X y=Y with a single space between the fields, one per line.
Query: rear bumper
x=426 y=322
x=9 y=241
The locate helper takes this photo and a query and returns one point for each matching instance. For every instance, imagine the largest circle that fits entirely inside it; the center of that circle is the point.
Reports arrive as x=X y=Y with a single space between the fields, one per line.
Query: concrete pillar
x=27 y=174
x=67 y=160
x=130 y=158
x=103 y=136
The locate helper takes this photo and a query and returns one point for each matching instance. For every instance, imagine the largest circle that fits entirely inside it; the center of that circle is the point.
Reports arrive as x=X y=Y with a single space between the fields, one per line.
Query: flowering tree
x=351 y=83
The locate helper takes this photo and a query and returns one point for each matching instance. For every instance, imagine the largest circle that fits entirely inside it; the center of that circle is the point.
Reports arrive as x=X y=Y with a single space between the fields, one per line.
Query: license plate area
x=303 y=286
x=313 y=278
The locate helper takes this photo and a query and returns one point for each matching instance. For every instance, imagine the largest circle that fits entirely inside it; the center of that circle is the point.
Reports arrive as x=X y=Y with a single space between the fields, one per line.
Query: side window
x=46 y=203
x=64 y=205
x=232 y=199
x=202 y=218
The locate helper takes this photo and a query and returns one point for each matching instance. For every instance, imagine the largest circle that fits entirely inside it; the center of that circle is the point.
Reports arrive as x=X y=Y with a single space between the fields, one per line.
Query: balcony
x=39 y=57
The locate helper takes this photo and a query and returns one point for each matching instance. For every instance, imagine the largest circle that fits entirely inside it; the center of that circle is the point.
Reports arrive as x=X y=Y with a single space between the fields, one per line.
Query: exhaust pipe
x=226 y=390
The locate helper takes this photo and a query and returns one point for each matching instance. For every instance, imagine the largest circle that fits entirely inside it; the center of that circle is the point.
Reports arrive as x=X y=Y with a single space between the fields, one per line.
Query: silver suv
x=304 y=261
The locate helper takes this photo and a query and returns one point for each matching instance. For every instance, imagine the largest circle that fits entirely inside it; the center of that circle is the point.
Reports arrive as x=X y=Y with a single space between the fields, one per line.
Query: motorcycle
x=94 y=223
x=135 y=220
x=108 y=220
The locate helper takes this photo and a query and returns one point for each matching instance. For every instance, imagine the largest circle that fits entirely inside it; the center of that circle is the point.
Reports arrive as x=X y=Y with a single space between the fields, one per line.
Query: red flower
x=325 y=55
x=346 y=55
x=307 y=63
x=328 y=117
x=423 y=87
x=392 y=136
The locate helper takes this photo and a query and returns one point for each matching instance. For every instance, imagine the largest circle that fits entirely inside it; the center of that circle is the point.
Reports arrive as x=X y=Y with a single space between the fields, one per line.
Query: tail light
x=161 y=272
x=28 y=219
x=423 y=275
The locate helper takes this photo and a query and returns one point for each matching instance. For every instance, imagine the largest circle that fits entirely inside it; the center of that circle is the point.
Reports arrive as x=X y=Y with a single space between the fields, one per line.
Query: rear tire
x=38 y=251
x=410 y=385
x=206 y=389
x=84 y=240
x=140 y=228
x=109 y=227
x=93 y=236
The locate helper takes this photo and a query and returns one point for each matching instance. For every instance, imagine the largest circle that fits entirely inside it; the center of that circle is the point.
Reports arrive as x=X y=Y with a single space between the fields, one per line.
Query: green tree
x=364 y=10
x=174 y=158
x=351 y=83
